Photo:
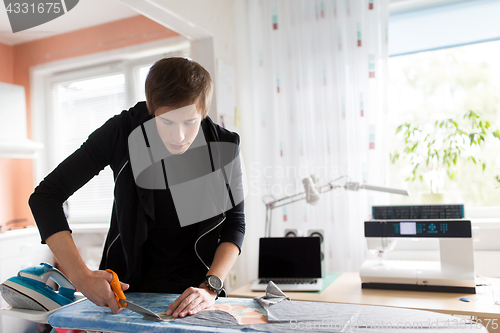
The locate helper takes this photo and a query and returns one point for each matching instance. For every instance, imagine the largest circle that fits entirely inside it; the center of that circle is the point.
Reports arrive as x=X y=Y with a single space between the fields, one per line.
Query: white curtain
x=318 y=72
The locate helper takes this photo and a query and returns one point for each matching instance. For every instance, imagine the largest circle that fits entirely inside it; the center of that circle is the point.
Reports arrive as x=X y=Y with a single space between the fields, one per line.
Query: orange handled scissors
x=122 y=303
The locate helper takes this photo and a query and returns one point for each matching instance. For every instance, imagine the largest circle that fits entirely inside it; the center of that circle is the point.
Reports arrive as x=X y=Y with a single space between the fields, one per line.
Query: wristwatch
x=214 y=283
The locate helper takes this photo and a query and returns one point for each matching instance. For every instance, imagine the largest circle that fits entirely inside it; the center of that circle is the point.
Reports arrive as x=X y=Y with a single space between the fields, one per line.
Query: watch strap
x=217 y=291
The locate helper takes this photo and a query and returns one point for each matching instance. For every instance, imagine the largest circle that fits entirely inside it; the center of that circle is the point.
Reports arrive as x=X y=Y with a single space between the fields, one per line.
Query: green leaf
x=421 y=178
x=484 y=166
x=471 y=137
x=453 y=175
x=473 y=159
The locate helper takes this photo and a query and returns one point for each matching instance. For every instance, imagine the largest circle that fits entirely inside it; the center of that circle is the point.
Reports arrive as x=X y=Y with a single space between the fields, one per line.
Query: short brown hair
x=177 y=82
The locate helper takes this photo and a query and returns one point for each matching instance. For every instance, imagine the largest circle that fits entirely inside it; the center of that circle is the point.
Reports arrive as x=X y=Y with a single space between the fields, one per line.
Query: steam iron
x=29 y=289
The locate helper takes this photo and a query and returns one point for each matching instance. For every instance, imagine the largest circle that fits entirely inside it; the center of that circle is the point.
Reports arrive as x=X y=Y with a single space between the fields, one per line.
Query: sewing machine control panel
x=419 y=228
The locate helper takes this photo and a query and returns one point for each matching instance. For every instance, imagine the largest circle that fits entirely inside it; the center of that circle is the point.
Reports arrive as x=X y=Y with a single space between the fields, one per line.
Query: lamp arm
x=269 y=217
x=288 y=202
x=328 y=187
x=322 y=189
x=272 y=204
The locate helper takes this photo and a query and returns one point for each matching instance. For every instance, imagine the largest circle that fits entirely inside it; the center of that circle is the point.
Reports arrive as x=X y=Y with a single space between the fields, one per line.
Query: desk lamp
x=312 y=195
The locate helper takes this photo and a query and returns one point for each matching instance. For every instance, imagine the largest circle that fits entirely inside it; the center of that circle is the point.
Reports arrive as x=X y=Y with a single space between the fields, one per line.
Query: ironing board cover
x=85 y=315
x=88 y=316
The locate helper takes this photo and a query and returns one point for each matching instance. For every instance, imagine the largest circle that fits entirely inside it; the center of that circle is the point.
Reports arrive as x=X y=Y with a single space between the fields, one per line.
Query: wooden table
x=347 y=289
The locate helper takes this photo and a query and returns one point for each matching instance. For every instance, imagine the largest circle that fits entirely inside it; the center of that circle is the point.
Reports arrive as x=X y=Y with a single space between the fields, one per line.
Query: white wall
x=215 y=16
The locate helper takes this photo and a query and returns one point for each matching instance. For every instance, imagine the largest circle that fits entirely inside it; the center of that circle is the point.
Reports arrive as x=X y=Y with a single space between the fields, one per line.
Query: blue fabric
x=87 y=316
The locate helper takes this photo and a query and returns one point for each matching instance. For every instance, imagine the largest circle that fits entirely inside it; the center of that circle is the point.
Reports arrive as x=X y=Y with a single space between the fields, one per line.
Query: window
x=80 y=101
x=442 y=66
x=436 y=85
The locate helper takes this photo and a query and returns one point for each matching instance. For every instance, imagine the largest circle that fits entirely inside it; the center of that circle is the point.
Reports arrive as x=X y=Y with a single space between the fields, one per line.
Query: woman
x=155 y=243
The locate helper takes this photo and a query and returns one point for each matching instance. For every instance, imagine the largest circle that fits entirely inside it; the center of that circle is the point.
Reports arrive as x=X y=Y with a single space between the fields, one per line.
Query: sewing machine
x=453 y=273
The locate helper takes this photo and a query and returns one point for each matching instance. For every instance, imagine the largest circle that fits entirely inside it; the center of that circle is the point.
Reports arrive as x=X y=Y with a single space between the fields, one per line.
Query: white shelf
x=18 y=233
x=37 y=316
x=89 y=228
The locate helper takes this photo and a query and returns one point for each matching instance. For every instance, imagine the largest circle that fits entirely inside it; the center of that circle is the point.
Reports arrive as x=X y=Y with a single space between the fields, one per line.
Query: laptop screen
x=290 y=257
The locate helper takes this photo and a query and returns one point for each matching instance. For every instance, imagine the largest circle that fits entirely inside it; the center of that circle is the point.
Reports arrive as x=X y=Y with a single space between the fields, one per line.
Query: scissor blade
x=148 y=314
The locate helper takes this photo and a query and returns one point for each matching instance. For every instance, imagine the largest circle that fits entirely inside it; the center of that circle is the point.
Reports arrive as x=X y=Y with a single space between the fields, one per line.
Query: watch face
x=215 y=282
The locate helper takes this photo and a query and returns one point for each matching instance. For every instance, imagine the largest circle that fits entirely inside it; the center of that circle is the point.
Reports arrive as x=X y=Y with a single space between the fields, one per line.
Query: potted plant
x=433 y=150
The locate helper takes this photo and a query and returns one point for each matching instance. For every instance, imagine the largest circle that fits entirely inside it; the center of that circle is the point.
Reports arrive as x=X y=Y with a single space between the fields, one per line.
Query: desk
x=347 y=289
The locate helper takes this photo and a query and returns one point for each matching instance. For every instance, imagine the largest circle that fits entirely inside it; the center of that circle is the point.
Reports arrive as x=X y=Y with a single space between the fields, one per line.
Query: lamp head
x=312 y=193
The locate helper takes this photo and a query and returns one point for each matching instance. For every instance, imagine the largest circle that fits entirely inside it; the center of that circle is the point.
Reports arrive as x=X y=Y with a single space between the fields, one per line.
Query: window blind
x=140 y=74
x=447 y=25
x=80 y=107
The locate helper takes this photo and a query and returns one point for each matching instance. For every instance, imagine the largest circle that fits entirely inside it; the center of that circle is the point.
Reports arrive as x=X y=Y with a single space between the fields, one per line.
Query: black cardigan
x=133 y=208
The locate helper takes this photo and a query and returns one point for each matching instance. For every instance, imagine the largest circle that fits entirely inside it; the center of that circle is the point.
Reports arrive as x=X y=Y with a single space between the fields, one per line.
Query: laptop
x=292 y=263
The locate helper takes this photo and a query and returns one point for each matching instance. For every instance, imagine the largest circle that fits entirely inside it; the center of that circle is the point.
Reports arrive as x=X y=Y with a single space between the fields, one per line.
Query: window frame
x=123 y=60
x=486 y=216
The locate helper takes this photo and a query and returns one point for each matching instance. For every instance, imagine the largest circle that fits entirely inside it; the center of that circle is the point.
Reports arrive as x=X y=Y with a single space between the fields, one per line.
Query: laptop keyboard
x=289 y=281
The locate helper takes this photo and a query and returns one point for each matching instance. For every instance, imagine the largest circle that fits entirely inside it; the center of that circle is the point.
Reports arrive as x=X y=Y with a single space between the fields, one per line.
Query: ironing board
x=87 y=316
x=90 y=317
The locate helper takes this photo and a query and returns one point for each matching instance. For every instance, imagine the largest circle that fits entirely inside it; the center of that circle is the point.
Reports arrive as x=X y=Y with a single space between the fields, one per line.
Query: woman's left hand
x=191 y=301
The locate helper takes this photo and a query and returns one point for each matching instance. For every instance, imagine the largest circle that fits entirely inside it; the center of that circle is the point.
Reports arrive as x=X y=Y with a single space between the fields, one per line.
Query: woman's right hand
x=95 y=285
